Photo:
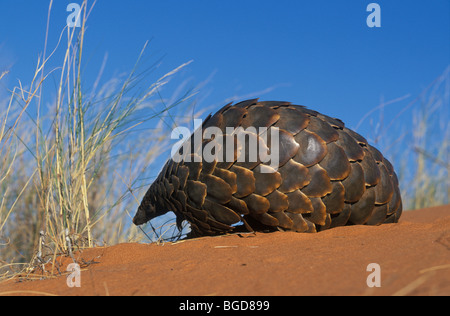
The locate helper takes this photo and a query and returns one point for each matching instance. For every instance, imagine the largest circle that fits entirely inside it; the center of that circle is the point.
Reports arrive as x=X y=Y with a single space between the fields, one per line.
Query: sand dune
x=413 y=257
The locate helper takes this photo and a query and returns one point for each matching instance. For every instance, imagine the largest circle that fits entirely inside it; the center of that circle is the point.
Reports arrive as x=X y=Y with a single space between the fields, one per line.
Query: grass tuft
x=71 y=165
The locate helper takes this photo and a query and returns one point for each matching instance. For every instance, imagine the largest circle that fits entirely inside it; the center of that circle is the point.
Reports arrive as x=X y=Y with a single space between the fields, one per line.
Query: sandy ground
x=413 y=256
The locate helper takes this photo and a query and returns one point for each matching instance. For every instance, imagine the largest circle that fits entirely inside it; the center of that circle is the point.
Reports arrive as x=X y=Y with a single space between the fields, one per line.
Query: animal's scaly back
x=326 y=175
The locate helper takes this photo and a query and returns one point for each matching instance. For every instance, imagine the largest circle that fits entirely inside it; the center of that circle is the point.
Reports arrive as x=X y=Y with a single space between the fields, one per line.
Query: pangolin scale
x=327 y=176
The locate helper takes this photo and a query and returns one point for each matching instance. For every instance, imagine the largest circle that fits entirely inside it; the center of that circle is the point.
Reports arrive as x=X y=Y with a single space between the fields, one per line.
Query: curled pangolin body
x=326 y=176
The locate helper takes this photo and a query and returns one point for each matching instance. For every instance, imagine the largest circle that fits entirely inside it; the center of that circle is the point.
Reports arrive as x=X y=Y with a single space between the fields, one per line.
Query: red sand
x=414 y=256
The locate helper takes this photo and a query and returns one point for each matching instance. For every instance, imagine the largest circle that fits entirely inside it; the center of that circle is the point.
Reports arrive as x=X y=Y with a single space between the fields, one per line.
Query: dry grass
x=71 y=165
x=417 y=141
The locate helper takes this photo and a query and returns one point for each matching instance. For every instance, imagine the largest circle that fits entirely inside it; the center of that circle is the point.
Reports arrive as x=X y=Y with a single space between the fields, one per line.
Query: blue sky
x=317 y=53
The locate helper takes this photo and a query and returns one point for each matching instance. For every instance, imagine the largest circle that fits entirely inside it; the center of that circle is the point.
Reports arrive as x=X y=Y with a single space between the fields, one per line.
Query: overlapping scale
x=336 y=162
x=327 y=175
x=354 y=184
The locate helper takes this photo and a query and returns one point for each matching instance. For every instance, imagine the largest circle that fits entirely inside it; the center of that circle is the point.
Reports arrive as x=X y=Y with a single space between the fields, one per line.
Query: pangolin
x=325 y=175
